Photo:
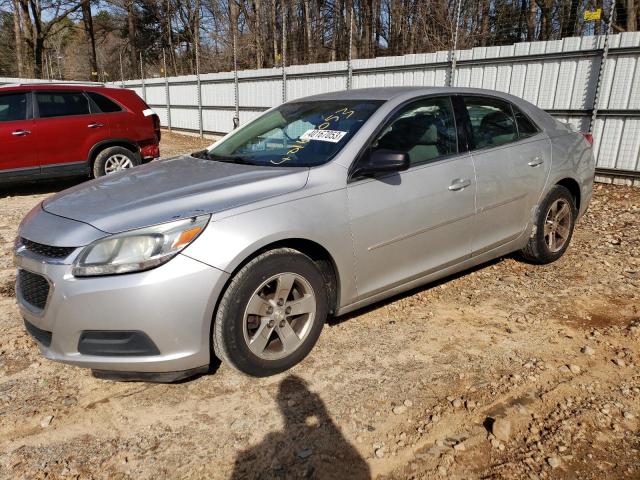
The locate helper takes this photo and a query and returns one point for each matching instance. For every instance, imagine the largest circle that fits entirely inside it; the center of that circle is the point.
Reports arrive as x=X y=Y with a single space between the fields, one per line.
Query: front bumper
x=172 y=304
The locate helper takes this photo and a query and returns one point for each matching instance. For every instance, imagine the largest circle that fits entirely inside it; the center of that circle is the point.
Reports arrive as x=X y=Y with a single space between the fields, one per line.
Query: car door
x=67 y=128
x=511 y=169
x=408 y=224
x=18 y=154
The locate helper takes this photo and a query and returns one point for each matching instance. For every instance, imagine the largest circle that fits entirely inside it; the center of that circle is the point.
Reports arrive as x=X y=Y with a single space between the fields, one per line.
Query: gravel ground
x=176 y=144
x=507 y=371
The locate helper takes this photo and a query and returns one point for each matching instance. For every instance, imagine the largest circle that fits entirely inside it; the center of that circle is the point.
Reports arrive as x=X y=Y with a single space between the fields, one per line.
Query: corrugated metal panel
x=629 y=152
x=551 y=80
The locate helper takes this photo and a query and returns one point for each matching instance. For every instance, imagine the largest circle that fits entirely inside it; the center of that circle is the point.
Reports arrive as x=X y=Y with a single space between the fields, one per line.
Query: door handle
x=459 y=184
x=535 y=162
x=95 y=125
x=20 y=133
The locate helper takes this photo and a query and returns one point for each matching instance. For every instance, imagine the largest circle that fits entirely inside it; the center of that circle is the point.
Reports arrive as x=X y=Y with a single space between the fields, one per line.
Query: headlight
x=138 y=250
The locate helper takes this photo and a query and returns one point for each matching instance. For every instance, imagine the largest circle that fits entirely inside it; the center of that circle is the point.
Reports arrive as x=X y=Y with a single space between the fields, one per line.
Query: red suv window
x=13 y=107
x=103 y=103
x=61 y=104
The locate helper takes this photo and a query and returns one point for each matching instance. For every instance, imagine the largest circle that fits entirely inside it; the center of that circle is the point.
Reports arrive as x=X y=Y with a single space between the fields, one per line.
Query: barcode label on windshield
x=333 y=136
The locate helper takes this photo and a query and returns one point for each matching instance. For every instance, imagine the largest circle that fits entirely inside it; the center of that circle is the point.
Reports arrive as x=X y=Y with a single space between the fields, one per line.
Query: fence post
x=236 y=118
x=144 y=88
x=167 y=96
x=452 y=76
x=349 y=56
x=121 y=70
x=603 y=61
x=199 y=85
x=284 y=54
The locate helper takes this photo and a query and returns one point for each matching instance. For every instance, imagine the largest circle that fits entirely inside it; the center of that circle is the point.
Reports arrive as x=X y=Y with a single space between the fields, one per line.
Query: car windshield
x=299 y=134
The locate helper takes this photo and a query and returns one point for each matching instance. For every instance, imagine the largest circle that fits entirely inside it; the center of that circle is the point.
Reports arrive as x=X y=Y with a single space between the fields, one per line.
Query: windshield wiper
x=222 y=158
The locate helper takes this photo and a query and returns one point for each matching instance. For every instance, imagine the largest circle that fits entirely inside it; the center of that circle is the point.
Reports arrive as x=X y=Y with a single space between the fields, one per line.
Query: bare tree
x=41 y=19
x=90 y=38
x=19 y=38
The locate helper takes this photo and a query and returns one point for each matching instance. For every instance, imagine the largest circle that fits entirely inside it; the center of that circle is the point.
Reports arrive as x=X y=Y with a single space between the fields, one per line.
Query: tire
x=114 y=159
x=253 y=288
x=553 y=235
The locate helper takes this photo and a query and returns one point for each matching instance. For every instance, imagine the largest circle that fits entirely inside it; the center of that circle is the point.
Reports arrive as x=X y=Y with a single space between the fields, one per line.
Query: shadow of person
x=310 y=445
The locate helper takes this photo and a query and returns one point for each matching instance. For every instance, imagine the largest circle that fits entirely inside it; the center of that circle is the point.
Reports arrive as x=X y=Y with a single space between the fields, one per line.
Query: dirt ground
x=508 y=371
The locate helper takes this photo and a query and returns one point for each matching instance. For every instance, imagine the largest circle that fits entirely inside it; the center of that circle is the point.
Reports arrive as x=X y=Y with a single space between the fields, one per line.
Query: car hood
x=170 y=189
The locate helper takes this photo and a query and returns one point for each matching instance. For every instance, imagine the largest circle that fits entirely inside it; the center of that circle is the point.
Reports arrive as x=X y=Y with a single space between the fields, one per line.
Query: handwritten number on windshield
x=300 y=144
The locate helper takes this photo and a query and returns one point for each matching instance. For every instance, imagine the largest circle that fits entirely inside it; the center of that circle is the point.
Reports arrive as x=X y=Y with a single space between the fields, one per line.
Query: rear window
x=61 y=104
x=13 y=107
x=526 y=128
x=103 y=103
x=492 y=122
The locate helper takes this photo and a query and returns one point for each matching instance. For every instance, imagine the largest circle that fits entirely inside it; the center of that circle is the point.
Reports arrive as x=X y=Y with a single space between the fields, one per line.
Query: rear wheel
x=554 y=227
x=113 y=160
x=271 y=314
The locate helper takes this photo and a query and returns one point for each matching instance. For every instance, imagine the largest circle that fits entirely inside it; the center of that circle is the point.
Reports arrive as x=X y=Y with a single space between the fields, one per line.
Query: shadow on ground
x=309 y=446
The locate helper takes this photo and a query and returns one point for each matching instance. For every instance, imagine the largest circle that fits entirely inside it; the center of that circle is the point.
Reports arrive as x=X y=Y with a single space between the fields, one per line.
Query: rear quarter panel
x=132 y=123
x=573 y=158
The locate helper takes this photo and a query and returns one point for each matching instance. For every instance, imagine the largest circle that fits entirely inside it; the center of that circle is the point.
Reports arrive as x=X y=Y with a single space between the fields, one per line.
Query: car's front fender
x=322 y=219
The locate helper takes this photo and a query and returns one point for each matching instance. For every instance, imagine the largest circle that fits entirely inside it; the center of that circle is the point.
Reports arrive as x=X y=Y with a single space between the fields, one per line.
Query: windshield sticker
x=318 y=134
x=333 y=136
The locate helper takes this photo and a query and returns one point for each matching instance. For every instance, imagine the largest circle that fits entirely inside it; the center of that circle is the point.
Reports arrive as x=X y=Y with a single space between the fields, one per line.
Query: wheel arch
x=312 y=249
x=574 y=188
x=112 y=142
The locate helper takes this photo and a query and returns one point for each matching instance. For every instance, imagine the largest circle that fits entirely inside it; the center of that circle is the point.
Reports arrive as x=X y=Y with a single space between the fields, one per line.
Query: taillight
x=588 y=137
x=156 y=125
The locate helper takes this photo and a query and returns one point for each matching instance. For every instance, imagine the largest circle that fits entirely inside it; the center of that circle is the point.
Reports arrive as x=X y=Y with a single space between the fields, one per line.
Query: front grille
x=46 y=250
x=33 y=288
x=41 y=336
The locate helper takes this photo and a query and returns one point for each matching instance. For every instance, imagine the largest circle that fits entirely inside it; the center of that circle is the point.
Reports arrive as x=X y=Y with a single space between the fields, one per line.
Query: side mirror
x=383 y=161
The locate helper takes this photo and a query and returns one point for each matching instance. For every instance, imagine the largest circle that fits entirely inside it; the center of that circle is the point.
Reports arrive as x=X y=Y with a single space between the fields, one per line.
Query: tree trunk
x=131 y=25
x=257 y=26
x=274 y=31
x=27 y=33
x=531 y=21
x=377 y=27
x=569 y=25
x=233 y=17
x=337 y=14
x=17 y=32
x=90 y=37
x=484 y=31
x=545 y=19
x=37 y=38
x=632 y=16
x=172 y=53
x=307 y=31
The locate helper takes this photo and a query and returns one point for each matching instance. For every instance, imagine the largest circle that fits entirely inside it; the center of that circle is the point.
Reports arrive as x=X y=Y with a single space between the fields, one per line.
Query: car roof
x=389 y=93
x=56 y=86
x=407 y=93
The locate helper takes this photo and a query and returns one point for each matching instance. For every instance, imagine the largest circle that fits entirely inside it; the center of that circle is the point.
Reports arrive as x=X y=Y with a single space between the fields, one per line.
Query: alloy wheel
x=116 y=163
x=279 y=316
x=557 y=225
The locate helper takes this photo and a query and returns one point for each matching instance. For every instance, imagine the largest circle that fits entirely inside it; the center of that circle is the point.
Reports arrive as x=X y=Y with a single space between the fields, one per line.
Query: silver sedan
x=318 y=207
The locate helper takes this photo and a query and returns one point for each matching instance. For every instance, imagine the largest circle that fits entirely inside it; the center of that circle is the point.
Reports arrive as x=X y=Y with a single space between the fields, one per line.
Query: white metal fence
x=559 y=76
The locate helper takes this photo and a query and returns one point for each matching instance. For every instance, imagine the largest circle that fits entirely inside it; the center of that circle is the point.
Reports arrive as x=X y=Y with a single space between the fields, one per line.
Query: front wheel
x=554 y=227
x=271 y=314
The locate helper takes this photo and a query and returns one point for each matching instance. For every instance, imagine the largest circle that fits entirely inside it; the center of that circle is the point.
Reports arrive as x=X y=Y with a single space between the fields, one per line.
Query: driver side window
x=424 y=129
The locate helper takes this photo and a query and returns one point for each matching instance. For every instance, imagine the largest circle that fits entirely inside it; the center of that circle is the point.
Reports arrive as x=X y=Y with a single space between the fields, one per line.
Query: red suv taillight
x=156 y=125
x=588 y=137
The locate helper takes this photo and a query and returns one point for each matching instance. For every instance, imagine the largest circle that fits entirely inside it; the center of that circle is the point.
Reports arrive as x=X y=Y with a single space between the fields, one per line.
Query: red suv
x=49 y=130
